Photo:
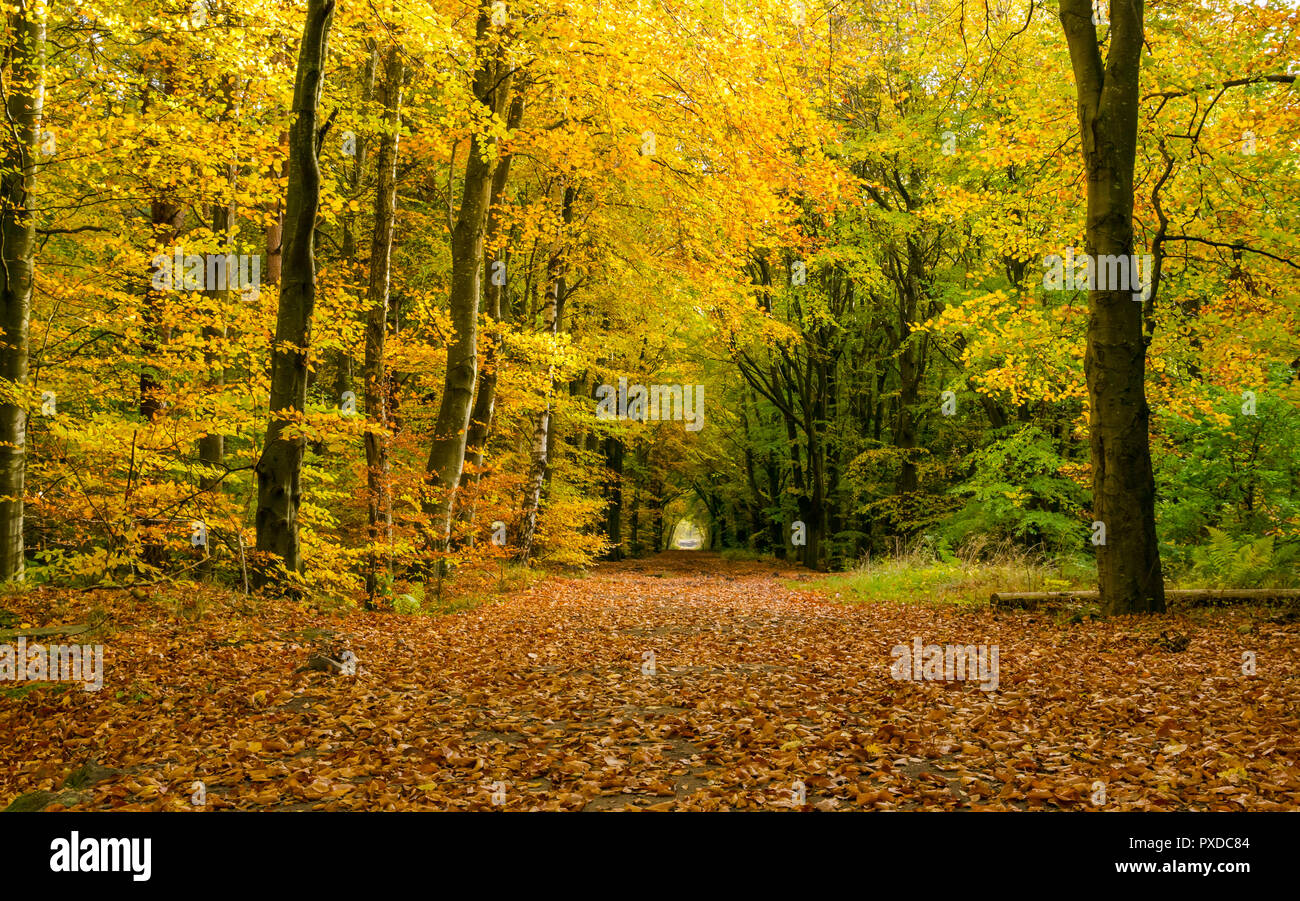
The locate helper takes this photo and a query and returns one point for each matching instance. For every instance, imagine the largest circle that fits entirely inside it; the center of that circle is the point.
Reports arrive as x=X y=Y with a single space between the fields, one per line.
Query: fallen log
x=42 y=632
x=1184 y=595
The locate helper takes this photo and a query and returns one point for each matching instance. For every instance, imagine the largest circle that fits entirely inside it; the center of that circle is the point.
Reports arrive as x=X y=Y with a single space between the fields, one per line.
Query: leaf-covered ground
x=541 y=701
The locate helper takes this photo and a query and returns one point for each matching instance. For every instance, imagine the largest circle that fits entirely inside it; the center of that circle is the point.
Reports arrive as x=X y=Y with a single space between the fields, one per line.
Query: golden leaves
x=540 y=702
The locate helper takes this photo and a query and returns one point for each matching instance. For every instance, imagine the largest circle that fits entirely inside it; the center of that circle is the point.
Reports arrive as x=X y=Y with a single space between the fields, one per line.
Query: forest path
x=546 y=699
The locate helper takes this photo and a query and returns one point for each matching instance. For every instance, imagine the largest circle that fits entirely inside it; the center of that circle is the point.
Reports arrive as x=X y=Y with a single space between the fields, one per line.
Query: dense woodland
x=327 y=296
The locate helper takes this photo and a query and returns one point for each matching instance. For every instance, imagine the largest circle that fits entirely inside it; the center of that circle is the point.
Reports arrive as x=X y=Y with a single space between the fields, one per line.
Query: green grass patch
x=957 y=582
x=459 y=604
x=744 y=553
x=467 y=591
x=19 y=691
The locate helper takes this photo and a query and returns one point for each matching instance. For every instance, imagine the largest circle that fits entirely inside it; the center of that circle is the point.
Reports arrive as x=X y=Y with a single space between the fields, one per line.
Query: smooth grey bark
x=279 y=470
x=555 y=293
x=25 y=54
x=480 y=420
x=1123 y=486
x=492 y=89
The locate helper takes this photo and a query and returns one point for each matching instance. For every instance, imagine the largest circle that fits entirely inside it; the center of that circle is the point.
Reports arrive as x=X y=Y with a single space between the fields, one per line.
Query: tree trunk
x=911 y=365
x=212 y=446
x=167 y=219
x=1198 y=596
x=340 y=358
x=26 y=54
x=279 y=470
x=635 y=520
x=480 y=420
x=614 y=498
x=380 y=505
x=275 y=246
x=492 y=86
x=1123 y=486
x=275 y=228
x=657 y=506
x=542 y=433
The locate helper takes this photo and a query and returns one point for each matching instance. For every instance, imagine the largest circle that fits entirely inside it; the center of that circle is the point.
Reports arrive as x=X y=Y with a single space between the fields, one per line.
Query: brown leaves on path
x=683 y=682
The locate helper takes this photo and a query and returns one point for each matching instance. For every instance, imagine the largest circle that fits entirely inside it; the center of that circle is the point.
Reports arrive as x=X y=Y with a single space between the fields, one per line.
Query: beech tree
x=492 y=89
x=1123 y=484
x=830 y=226
x=380 y=502
x=24 y=72
x=552 y=311
x=480 y=423
x=279 y=469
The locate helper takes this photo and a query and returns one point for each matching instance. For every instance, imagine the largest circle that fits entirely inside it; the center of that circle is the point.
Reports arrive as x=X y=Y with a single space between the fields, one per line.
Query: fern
x=1228 y=562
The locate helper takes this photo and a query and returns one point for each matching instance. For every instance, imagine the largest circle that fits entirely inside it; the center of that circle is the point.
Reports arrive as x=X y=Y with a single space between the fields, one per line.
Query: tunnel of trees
x=538 y=280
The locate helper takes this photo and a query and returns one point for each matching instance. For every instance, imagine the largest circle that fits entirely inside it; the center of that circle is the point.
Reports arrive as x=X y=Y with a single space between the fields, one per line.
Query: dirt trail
x=758 y=696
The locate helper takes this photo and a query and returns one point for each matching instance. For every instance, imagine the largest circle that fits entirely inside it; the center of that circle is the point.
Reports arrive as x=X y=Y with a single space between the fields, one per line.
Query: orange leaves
x=762 y=698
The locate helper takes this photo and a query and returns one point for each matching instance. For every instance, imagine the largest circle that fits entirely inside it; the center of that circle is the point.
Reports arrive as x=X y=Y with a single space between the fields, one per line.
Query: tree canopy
x=328 y=295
